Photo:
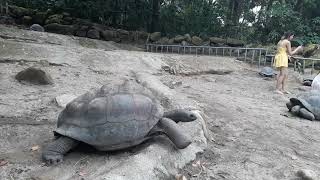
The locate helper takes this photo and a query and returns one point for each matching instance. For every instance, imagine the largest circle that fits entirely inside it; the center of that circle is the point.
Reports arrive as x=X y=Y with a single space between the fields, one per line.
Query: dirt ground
x=253 y=135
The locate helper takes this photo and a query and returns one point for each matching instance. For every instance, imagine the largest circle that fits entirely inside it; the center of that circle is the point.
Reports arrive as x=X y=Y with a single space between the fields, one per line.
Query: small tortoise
x=307 y=81
x=267 y=72
x=306 y=105
x=114 y=118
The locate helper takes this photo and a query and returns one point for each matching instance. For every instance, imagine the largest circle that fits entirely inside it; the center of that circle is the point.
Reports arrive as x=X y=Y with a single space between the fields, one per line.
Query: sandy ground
x=253 y=135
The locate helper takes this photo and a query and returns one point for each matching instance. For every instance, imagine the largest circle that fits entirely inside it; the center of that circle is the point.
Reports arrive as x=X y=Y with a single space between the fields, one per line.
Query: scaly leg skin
x=54 y=152
x=173 y=131
x=306 y=114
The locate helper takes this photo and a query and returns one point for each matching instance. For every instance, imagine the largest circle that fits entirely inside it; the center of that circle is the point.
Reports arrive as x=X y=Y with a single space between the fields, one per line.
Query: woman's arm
x=290 y=52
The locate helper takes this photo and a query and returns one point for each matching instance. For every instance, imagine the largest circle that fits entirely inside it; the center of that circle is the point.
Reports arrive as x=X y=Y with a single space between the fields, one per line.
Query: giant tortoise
x=114 y=118
x=267 y=72
x=306 y=105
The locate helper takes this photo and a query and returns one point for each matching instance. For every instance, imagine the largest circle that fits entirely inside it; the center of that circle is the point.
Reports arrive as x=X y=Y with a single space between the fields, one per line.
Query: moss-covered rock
x=19 y=12
x=123 y=34
x=217 y=40
x=188 y=38
x=27 y=20
x=155 y=36
x=56 y=18
x=60 y=29
x=39 y=17
x=82 y=31
x=7 y=20
x=163 y=41
x=93 y=34
x=179 y=39
x=110 y=35
x=171 y=41
x=234 y=42
x=310 y=50
x=197 y=41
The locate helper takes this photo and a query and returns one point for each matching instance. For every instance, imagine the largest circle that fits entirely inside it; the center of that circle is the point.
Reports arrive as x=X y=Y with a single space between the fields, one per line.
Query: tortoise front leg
x=174 y=132
x=306 y=114
x=54 y=152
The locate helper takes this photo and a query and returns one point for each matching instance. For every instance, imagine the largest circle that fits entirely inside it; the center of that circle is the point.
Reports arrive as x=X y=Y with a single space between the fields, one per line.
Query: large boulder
x=217 y=40
x=83 y=22
x=184 y=43
x=27 y=20
x=234 y=42
x=188 y=38
x=60 y=29
x=179 y=39
x=56 y=18
x=65 y=14
x=123 y=34
x=155 y=36
x=67 y=20
x=310 y=50
x=142 y=35
x=171 y=41
x=196 y=41
x=110 y=35
x=39 y=17
x=19 y=12
x=93 y=34
x=7 y=20
x=34 y=76
x=138 y=36
x=163 y=41
x=82 y=31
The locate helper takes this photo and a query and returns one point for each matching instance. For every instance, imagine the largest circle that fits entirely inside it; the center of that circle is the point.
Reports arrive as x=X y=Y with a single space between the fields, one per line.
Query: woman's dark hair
x=286 y=35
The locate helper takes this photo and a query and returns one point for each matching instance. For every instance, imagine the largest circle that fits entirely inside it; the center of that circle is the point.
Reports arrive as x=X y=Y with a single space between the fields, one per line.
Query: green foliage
x=220 y=18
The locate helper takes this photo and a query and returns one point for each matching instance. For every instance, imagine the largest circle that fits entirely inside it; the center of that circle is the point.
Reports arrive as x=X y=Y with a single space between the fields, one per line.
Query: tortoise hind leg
x=173 y=131
x=54 y=152
x=306 y=114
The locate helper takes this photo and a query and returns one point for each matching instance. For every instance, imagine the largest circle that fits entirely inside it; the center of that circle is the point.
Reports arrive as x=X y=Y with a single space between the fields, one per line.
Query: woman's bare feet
x=279 y=92
x=286 y=92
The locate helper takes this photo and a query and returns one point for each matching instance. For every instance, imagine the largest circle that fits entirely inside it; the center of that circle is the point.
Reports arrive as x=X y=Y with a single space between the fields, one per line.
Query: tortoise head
x=182 y=115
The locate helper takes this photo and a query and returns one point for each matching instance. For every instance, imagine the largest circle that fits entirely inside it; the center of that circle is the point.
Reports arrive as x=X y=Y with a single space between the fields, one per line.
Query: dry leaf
x=198 y=163
x=81 y=173
x=3 y=162
x=35 y=148
x=180 y=177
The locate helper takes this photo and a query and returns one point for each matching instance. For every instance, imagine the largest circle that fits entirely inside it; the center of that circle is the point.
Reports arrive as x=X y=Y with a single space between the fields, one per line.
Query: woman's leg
x=280 y=78
x=285 y=78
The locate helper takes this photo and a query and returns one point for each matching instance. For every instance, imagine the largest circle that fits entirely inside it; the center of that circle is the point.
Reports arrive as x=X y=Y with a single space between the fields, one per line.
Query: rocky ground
x=250 y=133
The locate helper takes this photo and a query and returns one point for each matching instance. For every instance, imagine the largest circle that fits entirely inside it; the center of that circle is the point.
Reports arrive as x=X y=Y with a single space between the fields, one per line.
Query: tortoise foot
x=52 y=158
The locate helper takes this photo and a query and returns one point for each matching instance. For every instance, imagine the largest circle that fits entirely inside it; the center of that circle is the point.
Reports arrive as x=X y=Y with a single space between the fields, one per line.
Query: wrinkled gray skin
x=114 y=118
x=306 y=105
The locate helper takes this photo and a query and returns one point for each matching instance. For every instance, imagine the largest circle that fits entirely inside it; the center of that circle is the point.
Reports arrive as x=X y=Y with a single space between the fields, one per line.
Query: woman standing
x=281 y=60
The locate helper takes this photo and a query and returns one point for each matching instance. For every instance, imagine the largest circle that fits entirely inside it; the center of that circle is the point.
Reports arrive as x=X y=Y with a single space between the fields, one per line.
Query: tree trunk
x=299 y=6
x=155 y=15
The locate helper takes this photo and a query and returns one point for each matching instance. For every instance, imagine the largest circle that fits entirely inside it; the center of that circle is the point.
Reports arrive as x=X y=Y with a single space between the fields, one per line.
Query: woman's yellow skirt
x=281 y=59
